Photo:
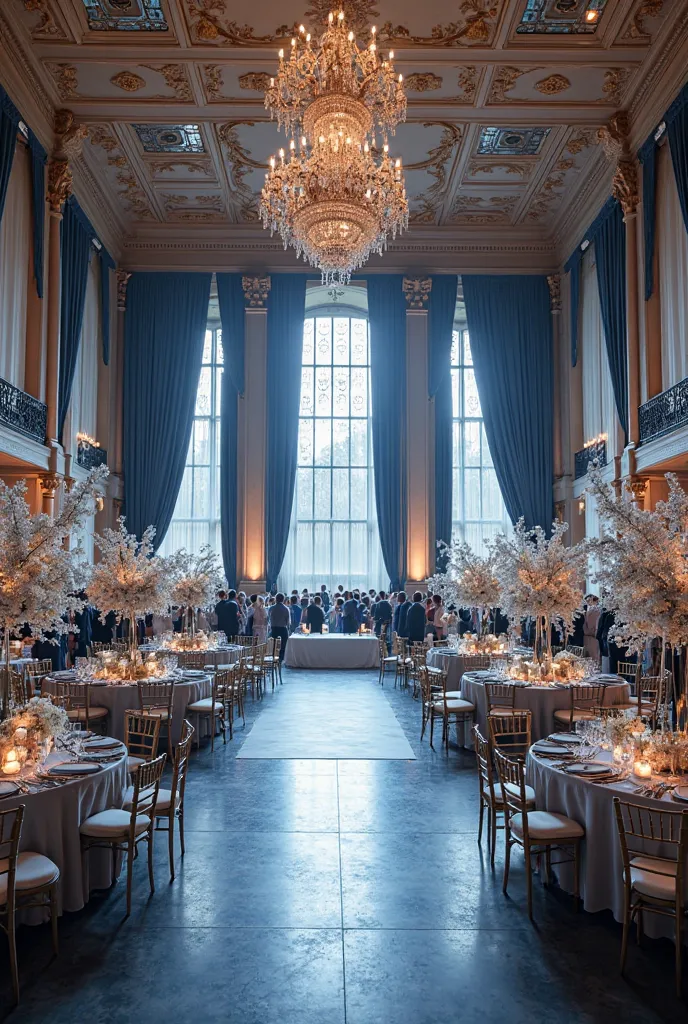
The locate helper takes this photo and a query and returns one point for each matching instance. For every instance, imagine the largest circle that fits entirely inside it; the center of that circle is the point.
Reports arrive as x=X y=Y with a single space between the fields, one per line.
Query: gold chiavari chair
x=122 y=830
x=19 y=688
x=157 y=698
x=534 y=831
x=418 y=657
x=584 y=703
x=440 y=705
x=77 y=704
x=387 y=661
x=36 y=671
x=654 y=849
x=225 y=694
x=97 y=647
x=244 y=640
x=272 y=662
x=500 y=698
x=26 y=880
x=490 y=793
x=575 y=650
x=121 y=646
x=213 y=709
x=141 y=738
x=476 y=662
x=651 y=696
x=191 y=659
x=510 y=732
x=255 y=670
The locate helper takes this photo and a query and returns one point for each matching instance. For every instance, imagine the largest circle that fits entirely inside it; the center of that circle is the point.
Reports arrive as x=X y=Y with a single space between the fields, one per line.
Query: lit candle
x=11 y=765
x=642 y=769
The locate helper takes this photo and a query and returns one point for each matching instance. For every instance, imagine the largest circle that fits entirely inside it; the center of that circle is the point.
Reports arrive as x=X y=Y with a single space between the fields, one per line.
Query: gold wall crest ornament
x=335 y=198
x=625 y=185
x=256 y=291
x=59 y=184
x=417 y=291
x=128 y=81
x=553 y=85
x=122 y=281
x=254 y=81
x=423 y=82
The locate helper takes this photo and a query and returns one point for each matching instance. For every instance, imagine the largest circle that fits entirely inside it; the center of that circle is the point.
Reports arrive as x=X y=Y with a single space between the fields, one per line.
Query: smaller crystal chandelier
x=336 y=198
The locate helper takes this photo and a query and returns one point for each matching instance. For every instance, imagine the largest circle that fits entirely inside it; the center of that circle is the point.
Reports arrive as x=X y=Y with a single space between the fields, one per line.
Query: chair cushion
x=501 y=710
x=547 y=825
x=204 y=706
x=162 y=713
x=113 y=823
x=513 y=790
x=564 y=715
x=453 y=695
x=654 y=877
x=133 y=762
x=33 y=870
x=162 y=804
x=79 y=714
x=455 y=704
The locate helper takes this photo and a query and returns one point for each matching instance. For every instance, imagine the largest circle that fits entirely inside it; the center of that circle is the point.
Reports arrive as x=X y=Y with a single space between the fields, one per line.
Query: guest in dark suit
x=465 y=621
x=227 y=611
x=382 y=613
x=315 y=616
x=416 y=619
x=83 y=620
x=325 y=598
x=350 y=614
x=400 y=615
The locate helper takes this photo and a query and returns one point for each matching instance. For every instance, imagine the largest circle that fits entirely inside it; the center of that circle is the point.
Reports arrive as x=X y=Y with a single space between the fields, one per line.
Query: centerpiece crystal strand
x=337 y=196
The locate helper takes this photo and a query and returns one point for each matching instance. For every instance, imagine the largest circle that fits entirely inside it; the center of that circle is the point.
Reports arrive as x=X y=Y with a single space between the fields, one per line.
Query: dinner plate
x=103 y=756
x=71 y=768
x=564 y=737
x=551 y=748
x=8 y=788
x=589 y=768
x=101 y=742
x=681 y=793
x=193 y=673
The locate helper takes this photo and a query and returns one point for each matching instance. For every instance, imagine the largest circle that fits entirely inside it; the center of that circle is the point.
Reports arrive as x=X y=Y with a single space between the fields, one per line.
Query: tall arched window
x=478 y=510
x=334 y=535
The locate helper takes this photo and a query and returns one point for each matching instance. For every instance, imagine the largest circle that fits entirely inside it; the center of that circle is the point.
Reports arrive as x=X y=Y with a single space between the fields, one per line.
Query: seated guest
x=350 y=614
x=294 y=612
x=451 y=621
x=416 y=619
x=227 y=611
x=278 y=618
x=315 y=616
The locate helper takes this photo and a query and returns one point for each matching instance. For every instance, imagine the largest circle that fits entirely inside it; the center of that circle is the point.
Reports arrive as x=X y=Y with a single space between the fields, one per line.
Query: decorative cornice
x=256 y=290
x=122 y=280
x=417 y=291
x=554 y=285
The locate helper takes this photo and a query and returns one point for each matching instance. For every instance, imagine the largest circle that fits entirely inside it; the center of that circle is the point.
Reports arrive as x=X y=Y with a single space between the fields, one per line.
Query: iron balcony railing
x=596 y=452
x=664 y=412
x=22 y=412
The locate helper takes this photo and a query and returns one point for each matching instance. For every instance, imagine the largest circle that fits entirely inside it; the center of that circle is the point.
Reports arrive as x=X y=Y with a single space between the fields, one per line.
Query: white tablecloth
x=454 y=664
x=332 y=650
x=591 y=805
x=223 y=656
x=542 y=701
x=51 y=826
x=121 y=697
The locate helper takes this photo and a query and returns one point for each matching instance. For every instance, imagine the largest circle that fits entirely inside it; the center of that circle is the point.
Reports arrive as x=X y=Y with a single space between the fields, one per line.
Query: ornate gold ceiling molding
x=482 y=166
x=241 y=162
x=128 y=81
x=426 y=81
x=212 y=80
x=503 y=81
x=46 y=26
x=176 y=78
x=428 y=202
x=203 y=166
x=477 y=210
x=553 y=85
x=254 y=81
x=65 y=78
x=131 y=193
x=615 y=80
x=635 y=29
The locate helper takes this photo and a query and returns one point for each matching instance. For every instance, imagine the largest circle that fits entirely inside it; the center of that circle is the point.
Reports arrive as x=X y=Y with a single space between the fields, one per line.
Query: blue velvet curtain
x=164 y=328
x=106 y=265
x=677 y=130
x=442 y=307
x=510 y=326
x=609 y=234
x=76 y=235
x=573 y=266
x=9 y=120
x=286 y=309
x=231 y=295
x=647 y=154
x=38 y=159
x=387 y=316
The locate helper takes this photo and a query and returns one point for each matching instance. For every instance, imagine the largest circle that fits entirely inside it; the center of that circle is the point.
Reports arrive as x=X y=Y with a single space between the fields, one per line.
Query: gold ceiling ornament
x=176 y=78
x=553 y=85
x=636 y=25
x=504 y=81
x=335 y=199
x=212 y=74
x=424 y=82
x=613 y=86
x=417 y=291
x=428 y=202
x=65 y=79
x=254 y=81
x=128 y=81
x=46 y=26
x=122 y=280
x=581 y=140
x=59 y=184
x=468 y=82
x=554 y=285
x=358 y=13
x=625 y=185
x=476 y=167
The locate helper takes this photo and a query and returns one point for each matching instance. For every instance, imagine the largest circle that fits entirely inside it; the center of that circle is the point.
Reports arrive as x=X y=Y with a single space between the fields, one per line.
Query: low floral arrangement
x=26 y=734
x=488 y=643
x=668 y=752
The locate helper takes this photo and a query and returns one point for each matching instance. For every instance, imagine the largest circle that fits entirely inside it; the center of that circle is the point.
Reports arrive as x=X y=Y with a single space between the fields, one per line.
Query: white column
x=420 y=461
x=252 y=437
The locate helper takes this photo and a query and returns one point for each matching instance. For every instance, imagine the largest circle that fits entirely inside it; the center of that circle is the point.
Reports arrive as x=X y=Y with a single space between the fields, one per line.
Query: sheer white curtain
x=15 y=238
x=599 y=410
x=672 y=253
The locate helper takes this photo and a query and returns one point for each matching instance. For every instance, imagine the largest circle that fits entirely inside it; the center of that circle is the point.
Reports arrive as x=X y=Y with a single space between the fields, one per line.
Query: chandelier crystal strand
x=335 y=198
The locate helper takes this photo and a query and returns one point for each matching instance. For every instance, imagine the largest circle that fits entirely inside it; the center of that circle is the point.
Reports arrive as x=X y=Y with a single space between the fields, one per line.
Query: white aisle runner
x=337 y=715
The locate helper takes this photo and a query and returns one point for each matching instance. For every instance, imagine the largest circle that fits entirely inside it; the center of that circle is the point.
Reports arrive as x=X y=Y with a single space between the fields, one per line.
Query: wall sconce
x=581 y=506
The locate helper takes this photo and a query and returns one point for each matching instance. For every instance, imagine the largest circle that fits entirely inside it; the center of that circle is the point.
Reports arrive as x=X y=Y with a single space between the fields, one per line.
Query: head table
x=52 y=817
x=591 y=805
x=121 y=696
x=541 y=701
x=332 y=650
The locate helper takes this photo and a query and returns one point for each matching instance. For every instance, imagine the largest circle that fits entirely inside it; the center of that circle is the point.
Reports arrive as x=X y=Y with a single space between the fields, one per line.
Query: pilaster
x=420 y=463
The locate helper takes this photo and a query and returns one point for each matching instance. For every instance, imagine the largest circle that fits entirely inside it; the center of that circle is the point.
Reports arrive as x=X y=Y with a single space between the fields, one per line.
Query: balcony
x=664 y=412
x=89 y=456
x=595 y=452
x=22 y=413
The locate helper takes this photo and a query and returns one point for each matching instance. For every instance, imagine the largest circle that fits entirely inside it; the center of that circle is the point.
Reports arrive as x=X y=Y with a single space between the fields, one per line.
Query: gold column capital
x=49 y=484
x=59 y=184
x=417 y=291
x=554 y=285
x=256 y=291
x=122 y=281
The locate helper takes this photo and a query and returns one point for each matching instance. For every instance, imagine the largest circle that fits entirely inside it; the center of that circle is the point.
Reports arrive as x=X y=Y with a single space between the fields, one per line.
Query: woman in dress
x=260 y=621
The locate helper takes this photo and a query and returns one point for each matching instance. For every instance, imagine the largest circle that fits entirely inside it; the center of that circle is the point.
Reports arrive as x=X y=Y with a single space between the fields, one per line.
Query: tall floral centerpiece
x=642 y=566
x=129 y=579
x=39 y=576
x=196 y=579
x=469 y=580
x=541 y=577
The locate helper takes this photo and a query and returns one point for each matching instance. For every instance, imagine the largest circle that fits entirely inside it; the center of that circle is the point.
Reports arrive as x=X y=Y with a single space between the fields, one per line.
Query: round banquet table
x=541 y=701
x=221 y=656
x=121 y=697
x=455 y=664
x=52 y=818
x=332 y=650
x=591 y=805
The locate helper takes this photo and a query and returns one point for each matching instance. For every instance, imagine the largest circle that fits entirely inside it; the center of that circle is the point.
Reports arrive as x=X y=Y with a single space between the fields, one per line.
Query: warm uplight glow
x=87 y=439
x=596 y=440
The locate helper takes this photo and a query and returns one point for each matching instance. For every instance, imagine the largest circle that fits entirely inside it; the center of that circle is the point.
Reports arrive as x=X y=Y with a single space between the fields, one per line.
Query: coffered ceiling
x=505 y=100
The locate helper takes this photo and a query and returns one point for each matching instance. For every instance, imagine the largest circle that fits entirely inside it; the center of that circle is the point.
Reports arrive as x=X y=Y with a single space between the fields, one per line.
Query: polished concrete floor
x=325 y=891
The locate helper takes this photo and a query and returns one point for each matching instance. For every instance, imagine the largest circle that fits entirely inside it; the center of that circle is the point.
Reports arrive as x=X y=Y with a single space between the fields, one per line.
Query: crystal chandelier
x=336 y=197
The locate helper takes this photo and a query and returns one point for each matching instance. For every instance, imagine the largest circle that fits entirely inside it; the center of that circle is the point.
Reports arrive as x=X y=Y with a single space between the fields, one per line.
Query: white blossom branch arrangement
x=469 y=580
x=196 y=578
x=129 y=579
